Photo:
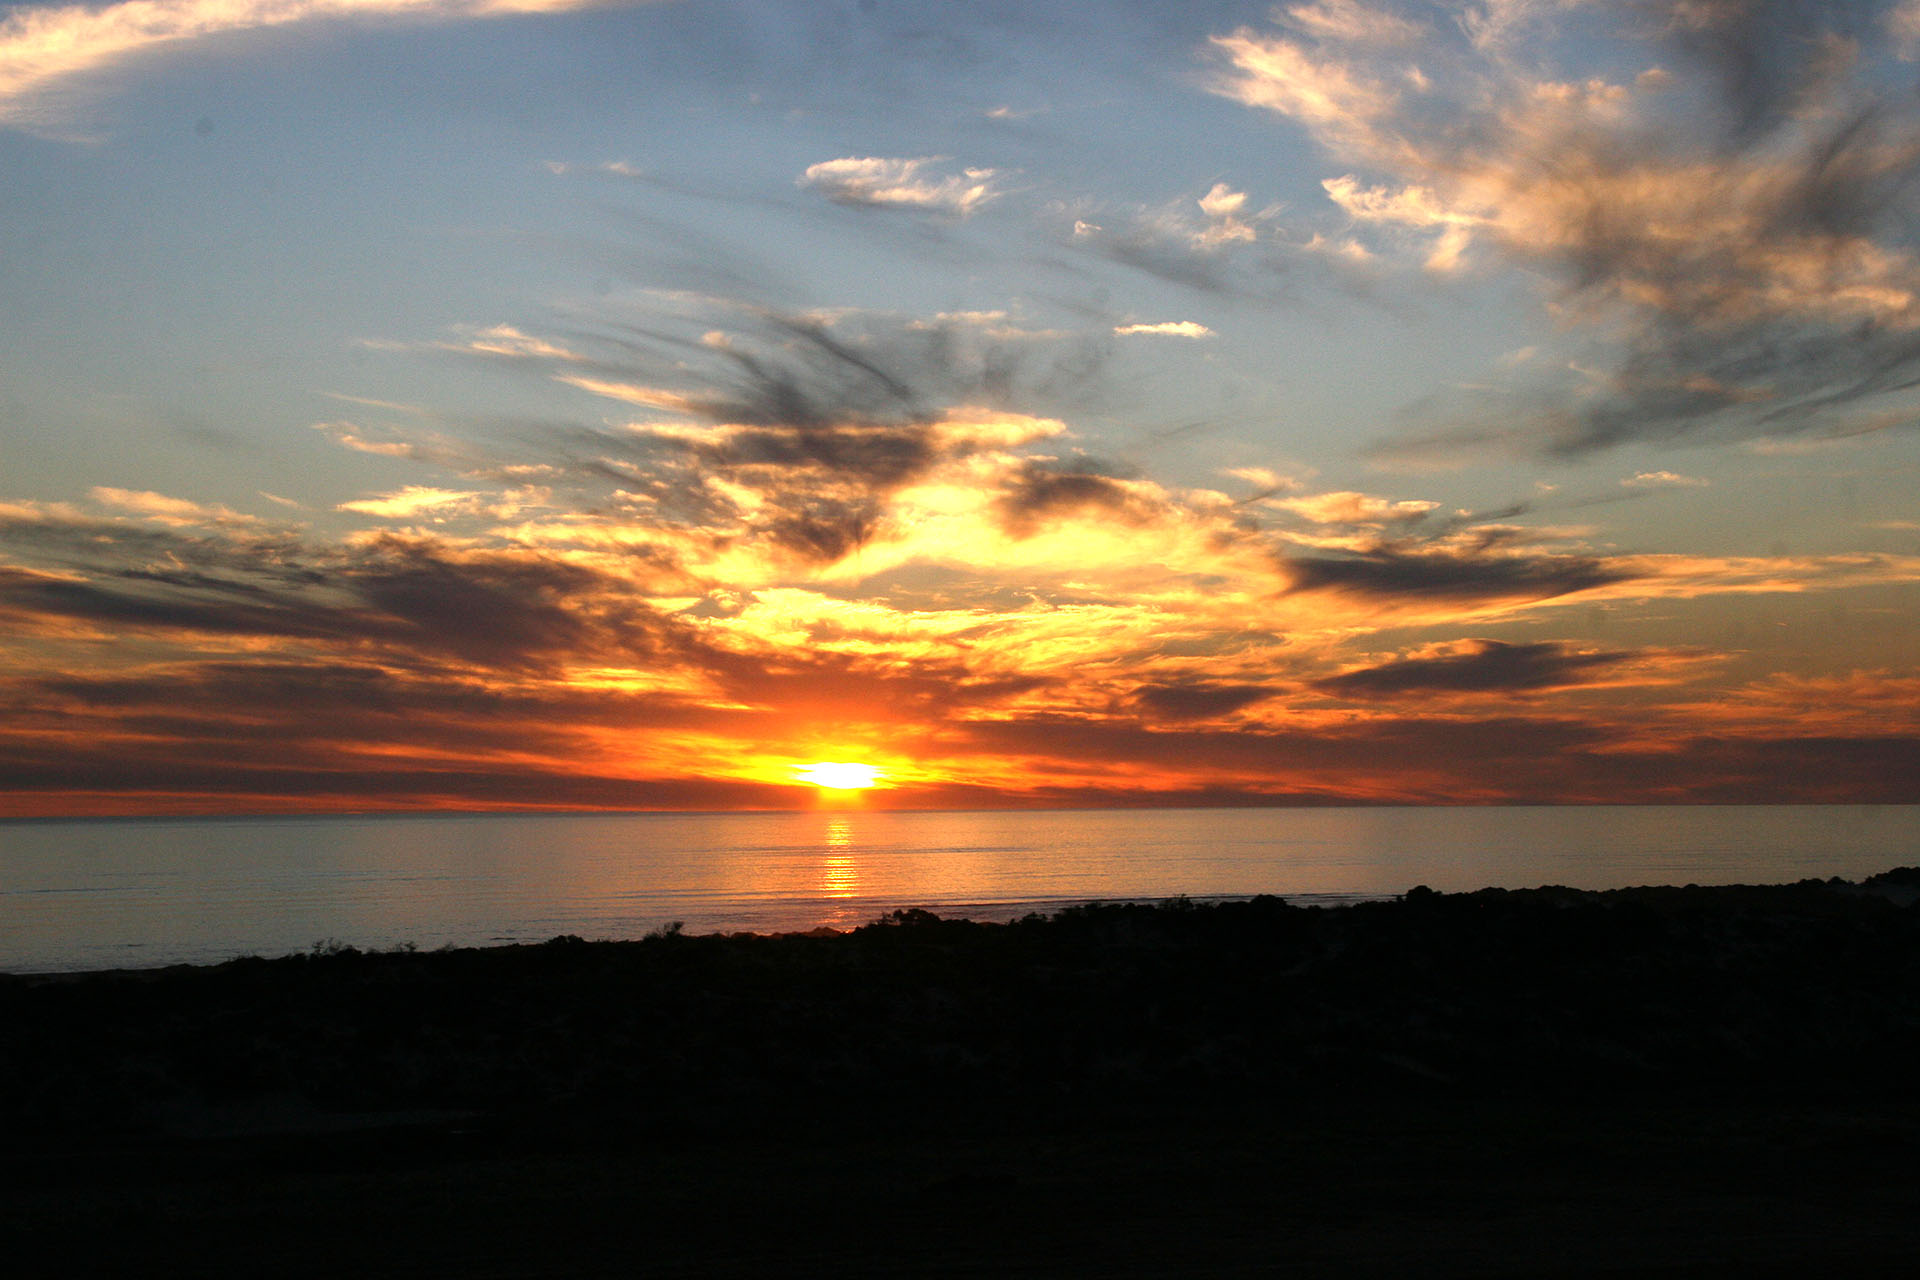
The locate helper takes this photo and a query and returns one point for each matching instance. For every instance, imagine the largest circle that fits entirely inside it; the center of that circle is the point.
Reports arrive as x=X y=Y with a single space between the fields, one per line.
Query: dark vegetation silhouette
x=1174 y=1089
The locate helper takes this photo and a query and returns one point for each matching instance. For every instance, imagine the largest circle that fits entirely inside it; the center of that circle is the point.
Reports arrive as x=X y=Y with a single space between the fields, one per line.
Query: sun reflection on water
x=839 y=878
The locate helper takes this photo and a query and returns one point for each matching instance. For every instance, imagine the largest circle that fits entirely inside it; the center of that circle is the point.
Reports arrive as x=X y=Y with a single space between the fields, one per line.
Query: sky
x=463 y=404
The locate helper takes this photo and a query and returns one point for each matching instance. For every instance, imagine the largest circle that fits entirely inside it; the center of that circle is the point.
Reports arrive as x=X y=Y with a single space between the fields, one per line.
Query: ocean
x=135 y=893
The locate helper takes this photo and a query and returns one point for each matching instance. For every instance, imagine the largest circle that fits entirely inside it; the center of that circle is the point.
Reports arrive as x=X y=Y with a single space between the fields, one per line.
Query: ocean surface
x=128 y=893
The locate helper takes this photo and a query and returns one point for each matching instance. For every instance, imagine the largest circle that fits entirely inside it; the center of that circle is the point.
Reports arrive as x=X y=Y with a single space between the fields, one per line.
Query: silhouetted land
x=1696 y=1081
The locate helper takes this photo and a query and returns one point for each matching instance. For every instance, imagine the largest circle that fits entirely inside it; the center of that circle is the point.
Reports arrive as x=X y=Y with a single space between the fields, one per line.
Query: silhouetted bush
x=1100 y=1009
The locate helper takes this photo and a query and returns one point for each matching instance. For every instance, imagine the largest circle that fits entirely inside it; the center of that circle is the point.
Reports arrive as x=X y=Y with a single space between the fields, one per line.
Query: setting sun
x=838 y=775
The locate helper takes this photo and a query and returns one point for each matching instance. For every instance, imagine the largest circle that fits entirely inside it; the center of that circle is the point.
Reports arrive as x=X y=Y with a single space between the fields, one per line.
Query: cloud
x=772 y=440
x=1017 y=628
x=1481 y=666
x=1040 y=495
x=178 y=512
x=1172 y=242
x=209 y=763
x=997 y=326
x=33 y=600
x=1663 y=480
x=1268 y=481
x=1222 y=207
x=1391 y=575
x=760 y=535
x=408 y=597
x=1851 y=703
x=1730 y=225
x=414 y=500
x=1903 y=25
x=494 y=610
x=505 y=340
x=258 y=731
x=1352 y=23
x=767 y=369
x=902 y=183
x=42 y=47
x=1164 y=329
x=1198 y=700
x=1409 y=760
x=1222 y=202
x=1361 y=509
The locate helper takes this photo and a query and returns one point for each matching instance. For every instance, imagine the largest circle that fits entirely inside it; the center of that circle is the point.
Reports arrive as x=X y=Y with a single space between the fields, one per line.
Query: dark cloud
x=1412 y=759
x=1766 y=56
x=828 y=534
x=747 y=366
x=395 y=626
x=1855 y=769
x=819 y=420
x=164 y=782
x=1426 y=760
x=1200 y=700
x=1719 y=354
x=319 y=713
x=1771 y=378
x=1041 y=492
x=1174 y=258
x=1491 y=666
x=881 y=457
x=1738 y=225
x=1500 y=760
x=498 y=611
x=316 y=691
x=172 y=556
x=826 y=688
x=294 y=729
x=32 y=599
x=402 y=596
x=809 y=380
x=1391 y=573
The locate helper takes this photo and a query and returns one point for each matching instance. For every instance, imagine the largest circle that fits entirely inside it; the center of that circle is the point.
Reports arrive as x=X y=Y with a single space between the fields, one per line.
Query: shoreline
x=1898 y=886
x=1662 y=1080
x=993 y=915
x=206 y=893
x=1455 y=948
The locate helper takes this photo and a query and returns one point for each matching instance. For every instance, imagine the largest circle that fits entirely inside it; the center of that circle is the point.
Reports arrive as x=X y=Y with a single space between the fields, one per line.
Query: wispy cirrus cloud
x=1728 y=216
x=179 y=512
x=43 y=47
x=1204 y=242
x=851 y=448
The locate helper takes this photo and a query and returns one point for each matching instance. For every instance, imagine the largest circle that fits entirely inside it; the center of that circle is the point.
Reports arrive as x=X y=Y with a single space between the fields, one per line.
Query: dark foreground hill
x=1713 y=1081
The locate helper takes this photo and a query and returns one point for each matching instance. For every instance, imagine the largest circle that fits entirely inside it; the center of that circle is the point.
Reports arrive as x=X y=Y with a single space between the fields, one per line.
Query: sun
x=838 y=775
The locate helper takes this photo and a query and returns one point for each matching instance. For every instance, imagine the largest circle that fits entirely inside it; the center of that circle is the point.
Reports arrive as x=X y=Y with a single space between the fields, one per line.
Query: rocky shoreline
x=1494 y=1077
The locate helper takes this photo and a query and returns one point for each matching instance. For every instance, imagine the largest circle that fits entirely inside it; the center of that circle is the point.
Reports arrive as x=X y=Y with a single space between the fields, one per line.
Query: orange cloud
x=844 y=550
